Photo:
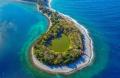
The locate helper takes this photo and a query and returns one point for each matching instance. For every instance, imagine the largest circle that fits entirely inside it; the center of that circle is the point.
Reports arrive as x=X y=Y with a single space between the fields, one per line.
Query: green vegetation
x=61 y=44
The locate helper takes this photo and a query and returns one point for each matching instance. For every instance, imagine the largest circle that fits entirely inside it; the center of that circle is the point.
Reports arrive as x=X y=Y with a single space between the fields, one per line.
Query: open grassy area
x=60 y=44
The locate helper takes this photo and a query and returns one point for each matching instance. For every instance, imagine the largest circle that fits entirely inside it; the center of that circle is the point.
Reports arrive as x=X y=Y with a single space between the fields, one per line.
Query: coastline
x=64 y=69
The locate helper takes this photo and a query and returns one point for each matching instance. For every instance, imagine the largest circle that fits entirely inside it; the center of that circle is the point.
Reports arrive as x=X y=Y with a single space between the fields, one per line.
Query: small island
x=65 y=48
x=61 y=44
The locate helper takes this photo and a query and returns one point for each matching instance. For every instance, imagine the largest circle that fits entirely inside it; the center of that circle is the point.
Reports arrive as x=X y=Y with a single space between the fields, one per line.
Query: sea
x=21 y=24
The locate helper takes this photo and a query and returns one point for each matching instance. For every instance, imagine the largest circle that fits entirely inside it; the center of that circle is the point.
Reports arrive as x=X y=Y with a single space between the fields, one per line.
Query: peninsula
x=65 y=48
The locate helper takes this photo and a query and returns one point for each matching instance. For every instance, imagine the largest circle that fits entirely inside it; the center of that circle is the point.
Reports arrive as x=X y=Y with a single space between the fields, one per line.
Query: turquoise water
x=21 y=24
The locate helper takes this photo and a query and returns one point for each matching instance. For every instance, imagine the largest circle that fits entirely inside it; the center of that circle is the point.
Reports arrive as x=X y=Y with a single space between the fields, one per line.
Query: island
x=65 y=48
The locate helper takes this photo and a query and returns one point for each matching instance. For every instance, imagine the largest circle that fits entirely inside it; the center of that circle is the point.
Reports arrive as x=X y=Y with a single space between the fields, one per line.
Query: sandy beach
x=65 y=70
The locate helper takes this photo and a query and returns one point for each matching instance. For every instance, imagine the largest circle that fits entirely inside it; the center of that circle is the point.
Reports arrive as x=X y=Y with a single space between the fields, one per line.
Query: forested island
x=63 y=44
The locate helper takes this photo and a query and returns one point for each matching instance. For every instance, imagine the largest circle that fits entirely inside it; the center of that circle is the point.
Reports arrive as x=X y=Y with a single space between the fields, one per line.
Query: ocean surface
x=21 y=24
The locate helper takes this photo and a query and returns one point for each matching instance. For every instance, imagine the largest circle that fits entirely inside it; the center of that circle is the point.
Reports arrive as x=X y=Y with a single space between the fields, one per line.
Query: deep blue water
x=102 y=19
x=21 y=24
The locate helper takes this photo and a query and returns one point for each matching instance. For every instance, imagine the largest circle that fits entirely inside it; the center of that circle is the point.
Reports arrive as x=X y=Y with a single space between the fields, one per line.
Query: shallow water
x=21 y=24
x=18 y=24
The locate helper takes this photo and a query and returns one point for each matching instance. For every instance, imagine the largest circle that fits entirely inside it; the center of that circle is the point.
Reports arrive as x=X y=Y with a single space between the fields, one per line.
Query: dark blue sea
x=21 y=24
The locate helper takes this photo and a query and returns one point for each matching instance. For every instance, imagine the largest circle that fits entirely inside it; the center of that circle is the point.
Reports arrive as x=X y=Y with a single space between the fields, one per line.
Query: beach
x=64 y=69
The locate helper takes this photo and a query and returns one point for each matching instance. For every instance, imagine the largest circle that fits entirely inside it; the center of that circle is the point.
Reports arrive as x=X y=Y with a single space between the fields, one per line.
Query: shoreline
x=64 y=69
